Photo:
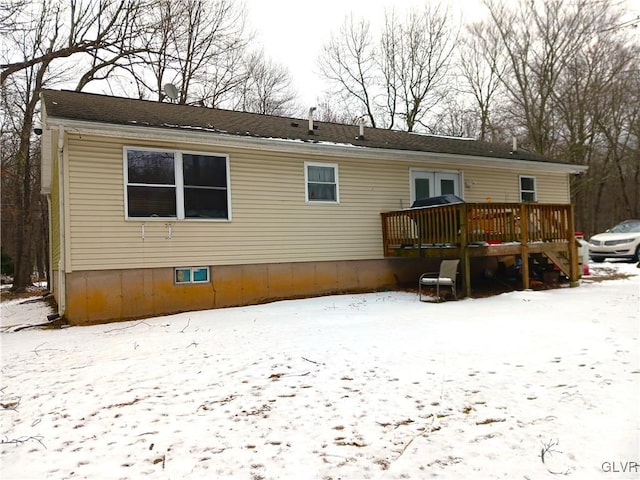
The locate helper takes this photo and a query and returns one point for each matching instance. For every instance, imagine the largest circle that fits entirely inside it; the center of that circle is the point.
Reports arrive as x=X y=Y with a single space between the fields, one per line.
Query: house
x=158 y=208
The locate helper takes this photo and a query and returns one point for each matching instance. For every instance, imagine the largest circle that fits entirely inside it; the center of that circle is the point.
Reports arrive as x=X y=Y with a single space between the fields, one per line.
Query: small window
x=321 y=182
x=191 y=275
x=527 y=189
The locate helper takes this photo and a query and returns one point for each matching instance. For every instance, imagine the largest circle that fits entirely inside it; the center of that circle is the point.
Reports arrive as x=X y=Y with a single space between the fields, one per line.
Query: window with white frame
x=429 y=183
x=527 y=189
x=184 y=275
x=176 y=184
x=321 y=182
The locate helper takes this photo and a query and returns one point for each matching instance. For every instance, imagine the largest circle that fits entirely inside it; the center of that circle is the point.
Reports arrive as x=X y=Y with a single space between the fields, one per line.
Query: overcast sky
x=293 y=32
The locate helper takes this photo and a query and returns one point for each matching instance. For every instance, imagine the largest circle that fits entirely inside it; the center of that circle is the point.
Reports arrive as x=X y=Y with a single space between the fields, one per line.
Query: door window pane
x=447 y=187
x=423 y=189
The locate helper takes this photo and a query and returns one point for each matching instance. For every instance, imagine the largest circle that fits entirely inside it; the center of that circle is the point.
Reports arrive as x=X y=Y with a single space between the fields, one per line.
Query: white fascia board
x=208 y=137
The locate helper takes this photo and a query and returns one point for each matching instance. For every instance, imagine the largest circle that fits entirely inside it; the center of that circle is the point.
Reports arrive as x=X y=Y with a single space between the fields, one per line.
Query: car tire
x=636 y=257
x=598 y=259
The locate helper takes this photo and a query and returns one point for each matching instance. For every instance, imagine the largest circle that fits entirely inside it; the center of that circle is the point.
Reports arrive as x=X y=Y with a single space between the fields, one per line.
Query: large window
x=321 y=181
x=527 y=189
x=174 y=184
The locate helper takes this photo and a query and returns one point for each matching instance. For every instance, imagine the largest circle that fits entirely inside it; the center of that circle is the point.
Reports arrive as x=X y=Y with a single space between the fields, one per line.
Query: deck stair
x=561 y=261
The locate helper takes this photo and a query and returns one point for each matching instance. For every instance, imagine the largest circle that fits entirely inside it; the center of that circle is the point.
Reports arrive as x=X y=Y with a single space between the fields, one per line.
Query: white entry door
x=426 y=184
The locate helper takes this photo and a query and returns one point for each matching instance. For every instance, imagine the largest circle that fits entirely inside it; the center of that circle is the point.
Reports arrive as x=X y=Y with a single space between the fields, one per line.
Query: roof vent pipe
x=514 y=149
x=362 y=120
x=311 y=110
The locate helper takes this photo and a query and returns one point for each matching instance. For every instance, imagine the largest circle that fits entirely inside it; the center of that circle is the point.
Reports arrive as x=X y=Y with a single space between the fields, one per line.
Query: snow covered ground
x=524 y=385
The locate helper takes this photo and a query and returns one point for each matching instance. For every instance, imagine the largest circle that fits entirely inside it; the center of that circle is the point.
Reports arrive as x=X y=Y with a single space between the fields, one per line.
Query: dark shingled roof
x=127 y=111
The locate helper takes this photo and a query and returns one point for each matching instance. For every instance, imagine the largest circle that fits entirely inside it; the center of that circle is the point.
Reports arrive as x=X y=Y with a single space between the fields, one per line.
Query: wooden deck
x=469 y=230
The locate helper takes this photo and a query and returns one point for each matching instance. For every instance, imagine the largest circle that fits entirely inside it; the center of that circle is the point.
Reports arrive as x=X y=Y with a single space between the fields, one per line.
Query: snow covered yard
x=524 y=385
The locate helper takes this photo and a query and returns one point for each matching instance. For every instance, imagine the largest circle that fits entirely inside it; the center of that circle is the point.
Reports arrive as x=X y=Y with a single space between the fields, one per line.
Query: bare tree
x=390 y=48
x=568 y=80
x=331 y=109
x=482 y=69
x=106 y=63
x=197 y=45
x=48 y=32
x=19 y=96
x=349 y=62
x=594 y=110
x=9 y=10
x=267 y=88
x=538 y=40
x=423 y=53
x=617 y=124
x=399 y=77
x=456 y=118
x=91 y=25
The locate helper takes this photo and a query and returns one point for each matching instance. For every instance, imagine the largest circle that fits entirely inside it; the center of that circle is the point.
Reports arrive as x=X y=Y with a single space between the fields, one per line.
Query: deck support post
x=524 y=242
x=572 y=247
x=463 y=214
x=525 y=268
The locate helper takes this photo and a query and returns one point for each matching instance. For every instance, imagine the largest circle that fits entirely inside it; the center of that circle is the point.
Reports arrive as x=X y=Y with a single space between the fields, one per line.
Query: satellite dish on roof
x=170 y=90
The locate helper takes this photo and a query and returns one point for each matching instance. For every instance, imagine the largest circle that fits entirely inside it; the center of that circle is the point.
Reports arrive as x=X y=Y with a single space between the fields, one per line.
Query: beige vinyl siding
x=503 y=185
x=552 y=188
x=271 y=222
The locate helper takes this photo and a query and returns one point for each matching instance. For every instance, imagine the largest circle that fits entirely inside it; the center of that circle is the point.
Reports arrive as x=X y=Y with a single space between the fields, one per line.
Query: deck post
x=463 y=214
x=572 y=252
x=385 y=234
x=524 y=245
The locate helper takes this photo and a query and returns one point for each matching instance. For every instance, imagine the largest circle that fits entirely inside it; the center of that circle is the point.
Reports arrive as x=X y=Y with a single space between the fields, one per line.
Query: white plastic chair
x=445 y=277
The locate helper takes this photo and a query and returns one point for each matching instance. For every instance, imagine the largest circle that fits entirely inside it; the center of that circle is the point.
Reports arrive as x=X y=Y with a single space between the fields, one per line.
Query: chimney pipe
x=361 y=136
x=311 y=110
x=514 y=149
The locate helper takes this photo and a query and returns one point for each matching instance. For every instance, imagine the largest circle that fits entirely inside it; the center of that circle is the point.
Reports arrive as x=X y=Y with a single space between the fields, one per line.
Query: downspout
x=50 y=246
x=62 y=278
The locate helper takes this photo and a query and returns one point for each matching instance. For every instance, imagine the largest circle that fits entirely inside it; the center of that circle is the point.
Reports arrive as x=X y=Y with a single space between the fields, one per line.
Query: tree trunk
x=22 y=275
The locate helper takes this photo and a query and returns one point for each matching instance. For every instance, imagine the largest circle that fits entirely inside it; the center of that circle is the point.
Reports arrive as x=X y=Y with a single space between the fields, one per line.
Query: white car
x=621 y=241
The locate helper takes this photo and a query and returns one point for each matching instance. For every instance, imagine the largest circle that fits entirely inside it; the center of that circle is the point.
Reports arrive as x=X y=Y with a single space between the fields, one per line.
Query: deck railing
x=476 y=223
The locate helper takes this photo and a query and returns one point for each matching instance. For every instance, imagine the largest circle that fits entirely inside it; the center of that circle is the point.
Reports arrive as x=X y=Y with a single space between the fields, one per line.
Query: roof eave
x=208 y=137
